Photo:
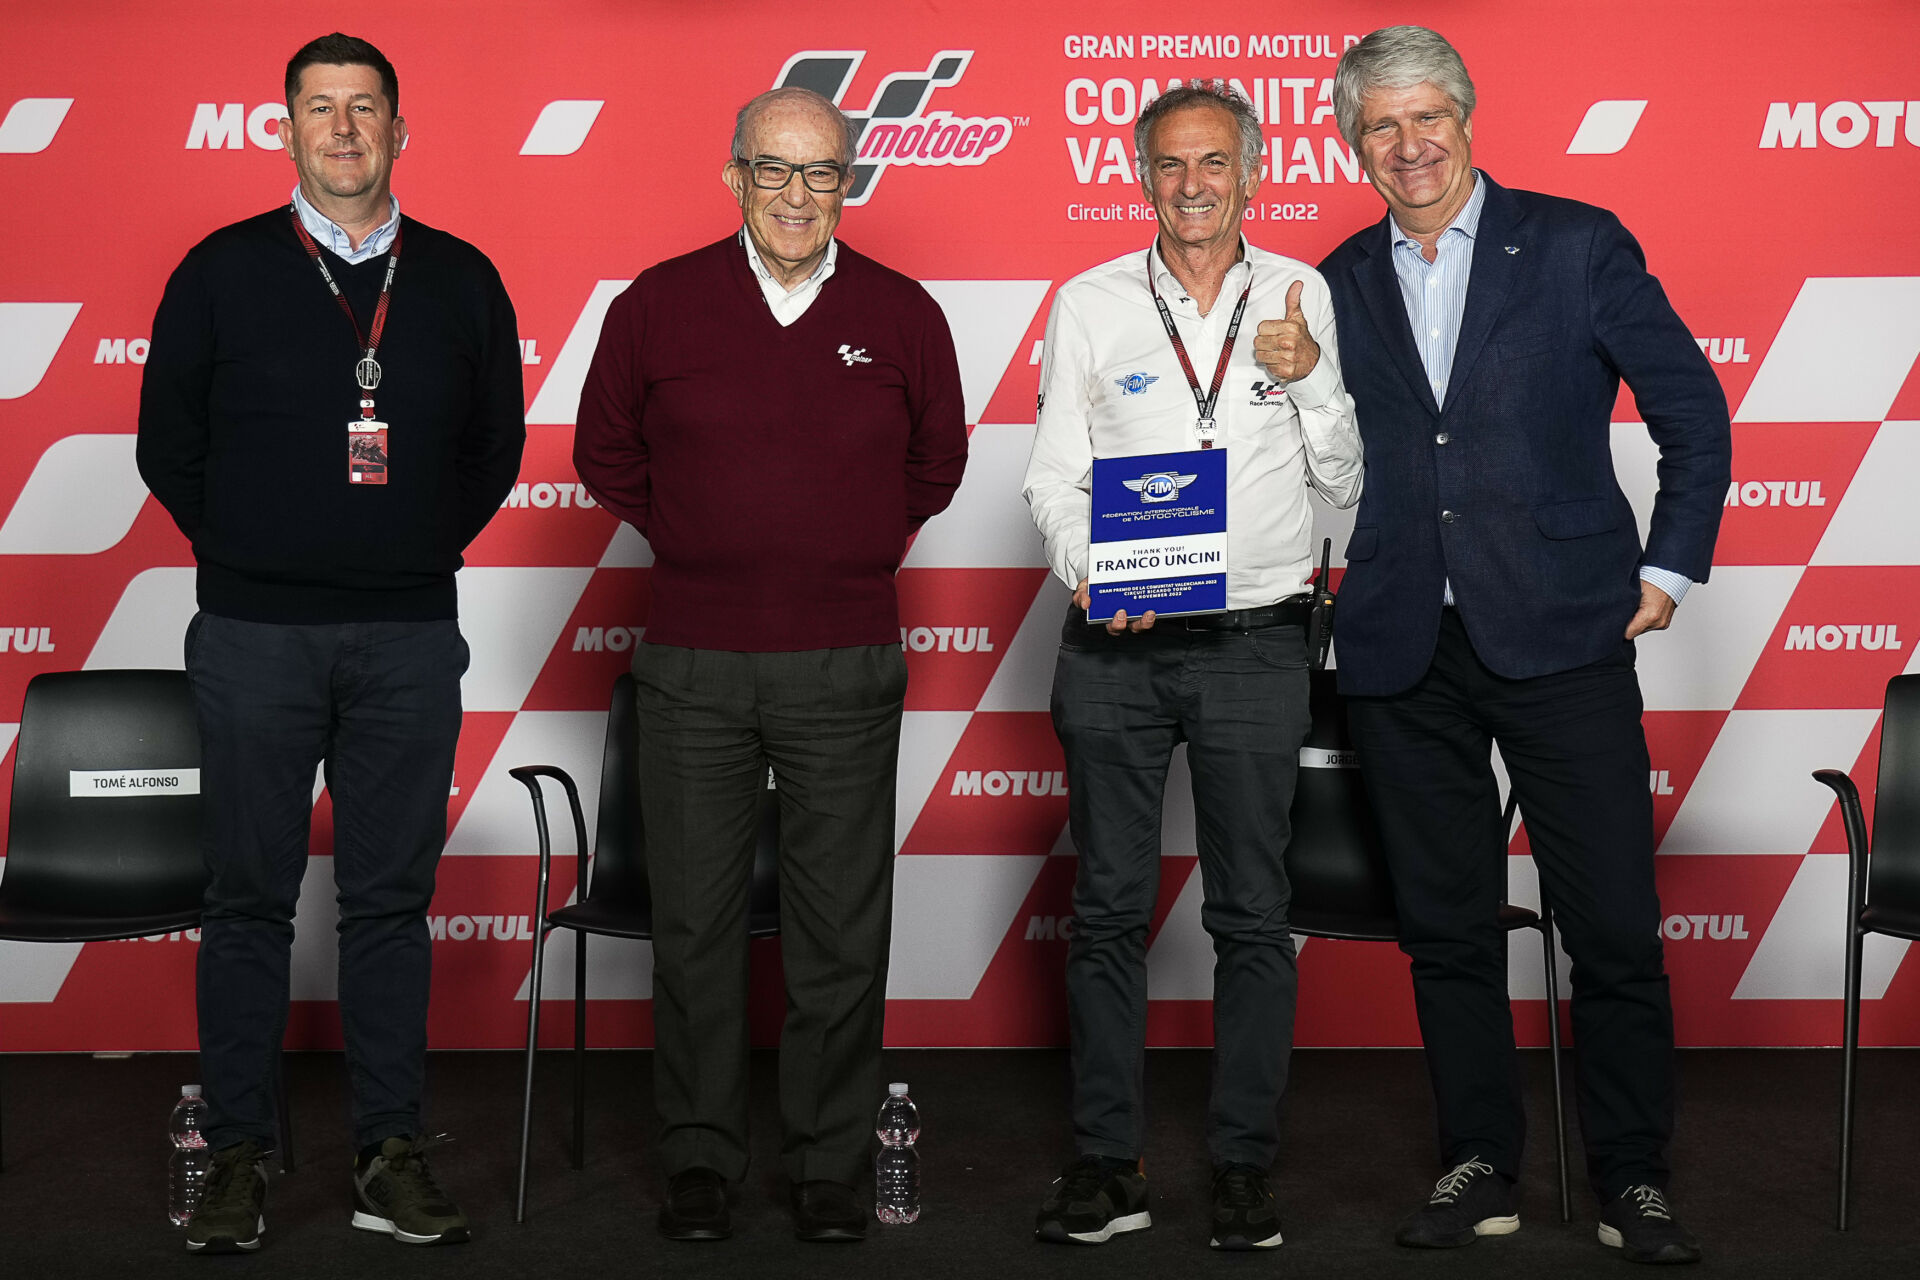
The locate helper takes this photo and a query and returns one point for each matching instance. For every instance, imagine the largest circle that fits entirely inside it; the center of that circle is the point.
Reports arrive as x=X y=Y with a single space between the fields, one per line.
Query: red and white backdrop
x=1764 y=153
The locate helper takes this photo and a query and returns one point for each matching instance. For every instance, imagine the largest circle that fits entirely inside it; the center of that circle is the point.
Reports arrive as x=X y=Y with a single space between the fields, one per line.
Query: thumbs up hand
x=1284 y=347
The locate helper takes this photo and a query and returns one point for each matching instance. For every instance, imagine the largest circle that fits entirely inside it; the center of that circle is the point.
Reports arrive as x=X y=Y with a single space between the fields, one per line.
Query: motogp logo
x=1265 y=393
x=893 y=130
x=1135 y=383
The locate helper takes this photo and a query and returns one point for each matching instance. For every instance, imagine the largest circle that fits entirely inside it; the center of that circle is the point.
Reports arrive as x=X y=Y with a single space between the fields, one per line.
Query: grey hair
x=743 y=123
x=1398 y=58
x=1212 y=93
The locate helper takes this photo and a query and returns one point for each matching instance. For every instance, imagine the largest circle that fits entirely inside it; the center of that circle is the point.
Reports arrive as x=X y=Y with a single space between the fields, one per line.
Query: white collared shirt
x=1111 y=386
x=330 y=237
x=787 y=304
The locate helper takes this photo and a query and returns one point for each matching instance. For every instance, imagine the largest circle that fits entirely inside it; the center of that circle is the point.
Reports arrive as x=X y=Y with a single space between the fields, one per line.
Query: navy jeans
x=379 y=704
x=1238 y=699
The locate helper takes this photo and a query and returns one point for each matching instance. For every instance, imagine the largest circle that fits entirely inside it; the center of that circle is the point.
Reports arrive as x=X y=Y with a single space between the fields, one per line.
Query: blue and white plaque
x=1159 y=534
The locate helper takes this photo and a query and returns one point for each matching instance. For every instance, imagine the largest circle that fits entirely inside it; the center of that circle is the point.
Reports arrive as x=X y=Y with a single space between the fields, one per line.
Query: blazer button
x=1447 y=517
x=1442 y=438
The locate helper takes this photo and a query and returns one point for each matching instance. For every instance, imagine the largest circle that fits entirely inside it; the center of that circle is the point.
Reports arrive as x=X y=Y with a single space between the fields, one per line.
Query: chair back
x=106 y=814
x=619 y=872
x=1335 y=861
x=1893 y=871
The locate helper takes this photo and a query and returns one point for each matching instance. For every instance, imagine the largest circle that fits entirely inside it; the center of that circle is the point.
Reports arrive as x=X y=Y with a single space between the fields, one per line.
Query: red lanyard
x=1205 y=427
x=367 y=372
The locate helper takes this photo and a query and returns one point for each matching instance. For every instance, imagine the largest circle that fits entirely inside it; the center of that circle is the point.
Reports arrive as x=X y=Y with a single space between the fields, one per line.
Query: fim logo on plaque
x=1159 y=539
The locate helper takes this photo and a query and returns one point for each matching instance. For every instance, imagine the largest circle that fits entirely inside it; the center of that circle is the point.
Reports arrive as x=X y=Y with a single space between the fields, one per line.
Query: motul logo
x=1724 y=350
x=543 y=494
x=1049 y=928
x=1847 y=635
x=480 y=928
x=1839 y=124
x=892 y=130
x=943 y=639
x=121 y=351
x=997 y=782
x=1775 y=493
x=26 y=639
x=229 y=126
x=607 y=639
x=1660 y=782
x=1718 y=928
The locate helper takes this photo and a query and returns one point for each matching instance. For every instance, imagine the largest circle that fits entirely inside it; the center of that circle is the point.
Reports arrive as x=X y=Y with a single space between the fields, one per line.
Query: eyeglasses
x=774 y=175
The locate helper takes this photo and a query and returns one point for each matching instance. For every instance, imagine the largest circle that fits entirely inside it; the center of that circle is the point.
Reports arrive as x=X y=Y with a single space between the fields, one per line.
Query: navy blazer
x=1509 y=491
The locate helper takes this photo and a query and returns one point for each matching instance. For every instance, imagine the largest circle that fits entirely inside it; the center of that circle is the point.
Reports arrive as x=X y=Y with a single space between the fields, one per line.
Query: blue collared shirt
x=330 y=237
x=1435 y=294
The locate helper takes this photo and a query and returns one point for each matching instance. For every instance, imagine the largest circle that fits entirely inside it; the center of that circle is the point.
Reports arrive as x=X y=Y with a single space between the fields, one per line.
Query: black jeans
x=711 y=723
x=1574 y=748
x=379 y=704
x=1238 y=699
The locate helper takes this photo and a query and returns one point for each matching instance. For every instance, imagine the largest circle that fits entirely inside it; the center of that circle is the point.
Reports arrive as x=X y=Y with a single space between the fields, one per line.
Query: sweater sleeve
x=937 y=444
x=171 y=449
x=488 y=461
x=609 y=449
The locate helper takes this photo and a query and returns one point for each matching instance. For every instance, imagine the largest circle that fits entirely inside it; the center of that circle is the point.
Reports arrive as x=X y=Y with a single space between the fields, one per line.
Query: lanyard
x=367 y=372
x=1206 y=427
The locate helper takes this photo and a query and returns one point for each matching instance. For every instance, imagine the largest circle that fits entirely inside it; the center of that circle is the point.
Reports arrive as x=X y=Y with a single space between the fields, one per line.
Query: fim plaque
x=1159 y=537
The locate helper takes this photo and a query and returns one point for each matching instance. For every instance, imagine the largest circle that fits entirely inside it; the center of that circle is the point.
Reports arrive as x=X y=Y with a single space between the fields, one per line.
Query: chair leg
x=285 y=1116
x=580 y=1052
x=542 y=929
x=1848 y=1055
x=3 y=1108
x=1553 y=1047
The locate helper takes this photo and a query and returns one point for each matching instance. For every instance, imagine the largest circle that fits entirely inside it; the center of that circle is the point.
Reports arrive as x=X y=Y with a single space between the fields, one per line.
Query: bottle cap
x=897 y=1090
x=189 y=1090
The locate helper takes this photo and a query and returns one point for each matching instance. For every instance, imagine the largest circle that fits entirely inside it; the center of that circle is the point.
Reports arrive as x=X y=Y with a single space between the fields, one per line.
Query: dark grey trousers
x=1238 y=699
x=379 y=704
x=710 y=724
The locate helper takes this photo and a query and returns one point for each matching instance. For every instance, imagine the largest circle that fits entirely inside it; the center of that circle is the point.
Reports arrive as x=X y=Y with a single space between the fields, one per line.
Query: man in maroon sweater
x=776 y=414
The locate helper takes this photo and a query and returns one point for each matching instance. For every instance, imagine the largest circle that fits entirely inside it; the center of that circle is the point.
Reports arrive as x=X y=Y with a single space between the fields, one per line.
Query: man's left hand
x=1284 y=346
x=1656 y=611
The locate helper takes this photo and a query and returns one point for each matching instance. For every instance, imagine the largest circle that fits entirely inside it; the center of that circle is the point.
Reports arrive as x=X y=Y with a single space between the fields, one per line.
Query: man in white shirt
x=1232 y=685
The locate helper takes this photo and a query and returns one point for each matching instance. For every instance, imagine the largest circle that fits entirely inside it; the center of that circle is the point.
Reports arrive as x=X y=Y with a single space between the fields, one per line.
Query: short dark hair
x=337 y=50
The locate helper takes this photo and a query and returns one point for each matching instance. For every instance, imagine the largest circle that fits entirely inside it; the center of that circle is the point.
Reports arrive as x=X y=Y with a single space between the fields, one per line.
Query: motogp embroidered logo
x=1135 y=383
x=854 y=355
x=1268 y=393
x=1160 y=486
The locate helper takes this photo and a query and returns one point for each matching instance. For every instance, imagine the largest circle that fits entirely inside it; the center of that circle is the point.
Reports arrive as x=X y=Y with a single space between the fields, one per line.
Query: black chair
x=1338 y=872
x=615 y=902
x=1883 y=879
x=93 y=859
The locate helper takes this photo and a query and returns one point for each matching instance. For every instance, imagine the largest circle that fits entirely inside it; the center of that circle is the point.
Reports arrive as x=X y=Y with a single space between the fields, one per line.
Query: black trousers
x=827 y=721
x=1577 y=757
x=379 y=704
x=1238 y=699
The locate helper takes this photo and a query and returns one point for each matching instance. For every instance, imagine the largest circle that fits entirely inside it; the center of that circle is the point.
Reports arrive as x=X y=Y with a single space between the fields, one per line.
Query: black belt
x=1291 y=612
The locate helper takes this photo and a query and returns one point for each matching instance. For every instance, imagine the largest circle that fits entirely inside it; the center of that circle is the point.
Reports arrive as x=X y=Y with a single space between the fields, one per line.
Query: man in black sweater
x=330 y=432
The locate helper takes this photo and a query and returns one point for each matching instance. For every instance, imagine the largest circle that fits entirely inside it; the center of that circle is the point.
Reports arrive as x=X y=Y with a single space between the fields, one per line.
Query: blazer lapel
x=1495 y=266
x=1380 y=286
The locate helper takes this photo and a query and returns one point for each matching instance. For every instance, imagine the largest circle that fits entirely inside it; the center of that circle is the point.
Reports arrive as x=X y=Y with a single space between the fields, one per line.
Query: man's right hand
x=1118 y=623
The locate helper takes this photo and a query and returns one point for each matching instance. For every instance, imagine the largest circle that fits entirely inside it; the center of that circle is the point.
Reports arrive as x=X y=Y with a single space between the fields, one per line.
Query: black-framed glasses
x=773 y=175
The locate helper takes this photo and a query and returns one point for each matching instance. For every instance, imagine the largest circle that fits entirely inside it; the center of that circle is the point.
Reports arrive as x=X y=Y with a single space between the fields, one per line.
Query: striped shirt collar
x=1466 y=222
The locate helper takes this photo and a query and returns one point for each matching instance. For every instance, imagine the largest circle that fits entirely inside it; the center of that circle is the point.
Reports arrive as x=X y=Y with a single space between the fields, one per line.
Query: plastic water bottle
x=896 y=1170
x=187 y=1167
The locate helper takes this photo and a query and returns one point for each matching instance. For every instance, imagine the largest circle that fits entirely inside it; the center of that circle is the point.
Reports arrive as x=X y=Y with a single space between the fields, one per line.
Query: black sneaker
x=1470 y=1202
x=696 y=1206
x=232 y=1212
x=1096 y=1199
x=1640 y=1224
x=1244 y=1213
x=394 y=1192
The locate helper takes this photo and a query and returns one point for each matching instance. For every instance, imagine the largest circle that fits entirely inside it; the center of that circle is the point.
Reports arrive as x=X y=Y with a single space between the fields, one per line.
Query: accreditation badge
x=366 y=451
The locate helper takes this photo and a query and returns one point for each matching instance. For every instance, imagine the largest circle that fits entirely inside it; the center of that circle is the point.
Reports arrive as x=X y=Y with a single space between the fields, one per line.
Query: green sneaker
x=394 y=1192
x=232 y=1213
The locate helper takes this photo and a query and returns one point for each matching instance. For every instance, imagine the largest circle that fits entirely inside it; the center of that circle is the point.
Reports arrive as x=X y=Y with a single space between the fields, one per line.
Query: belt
x=1291 y=612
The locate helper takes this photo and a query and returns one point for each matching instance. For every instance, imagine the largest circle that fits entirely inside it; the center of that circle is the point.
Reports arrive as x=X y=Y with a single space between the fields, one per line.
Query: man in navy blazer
x=1494 y=587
